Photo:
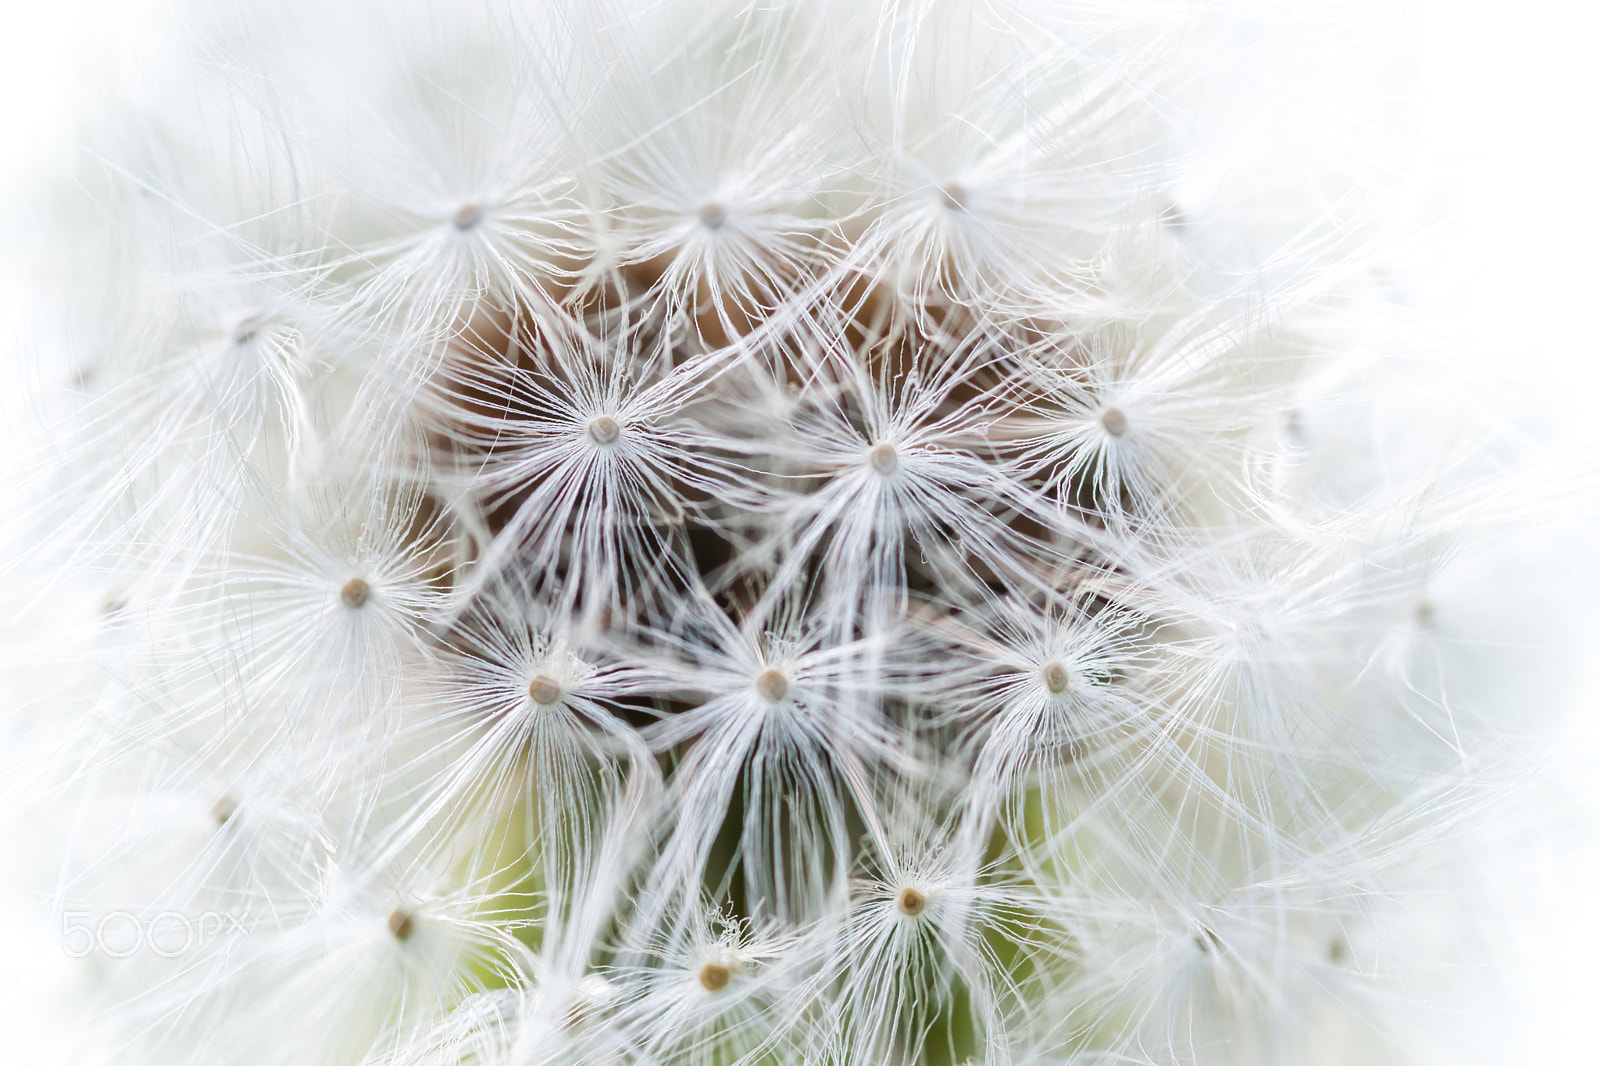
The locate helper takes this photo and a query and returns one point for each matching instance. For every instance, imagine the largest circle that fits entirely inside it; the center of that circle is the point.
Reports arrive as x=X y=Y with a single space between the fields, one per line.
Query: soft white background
x=1506 y=96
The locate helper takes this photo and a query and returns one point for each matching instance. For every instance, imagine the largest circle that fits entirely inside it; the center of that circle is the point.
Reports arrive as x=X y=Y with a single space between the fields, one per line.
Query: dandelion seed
x=585 y=1002
x=244 y=330
x=1115 y=421
x=884 y=459
x=401 y=925
x=1055 y=677
x=544 y=691
x=712 y=215
x=910 y=902
x=355 y=593
x=223 y=809
x=466 y=216
x=1294 y=428
x=772 y=685
x=604 y=430
x=714 y=976
x=1425 y=613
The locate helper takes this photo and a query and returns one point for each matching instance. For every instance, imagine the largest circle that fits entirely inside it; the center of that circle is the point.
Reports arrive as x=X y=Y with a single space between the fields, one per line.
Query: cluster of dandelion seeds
x=725 y=534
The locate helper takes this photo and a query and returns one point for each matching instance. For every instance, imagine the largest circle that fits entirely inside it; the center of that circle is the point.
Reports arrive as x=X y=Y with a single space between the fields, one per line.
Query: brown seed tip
x=771 y=685
x=225 y=807
x=1115 y=421
x=1055 y=677
x=587 y=999
x=466 y=216
x=712 y=215
x=354 y=593
x=910 y=902
x=244 y=331
x=953 y=195
x=714 y=976
x=604 y=430
x=544 y=690
x=400 y=924
x=884 y=458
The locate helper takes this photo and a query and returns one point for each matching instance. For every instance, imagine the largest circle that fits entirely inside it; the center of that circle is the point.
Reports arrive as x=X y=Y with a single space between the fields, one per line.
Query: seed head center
x=712 y=215
x=225 y=808
x=771 y=685
x=466 y=216
x=605 y=430
x=884 y=459
x=1056 y=677
x=953 y=195
x=244 y=331
x=544 y=690
x=400 y=924
x=354 y=593
x=1115 y=421
x=714 y=976
x=910 y=902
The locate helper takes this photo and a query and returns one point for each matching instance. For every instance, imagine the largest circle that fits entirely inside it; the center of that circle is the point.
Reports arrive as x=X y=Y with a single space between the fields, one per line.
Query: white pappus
x=710 y=533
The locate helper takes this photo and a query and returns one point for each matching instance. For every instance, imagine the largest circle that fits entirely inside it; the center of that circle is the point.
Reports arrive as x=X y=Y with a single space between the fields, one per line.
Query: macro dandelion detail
x=743 y=535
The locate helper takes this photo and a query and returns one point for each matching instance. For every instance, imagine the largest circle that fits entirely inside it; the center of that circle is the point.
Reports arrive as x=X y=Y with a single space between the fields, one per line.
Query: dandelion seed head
x=774 y=646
